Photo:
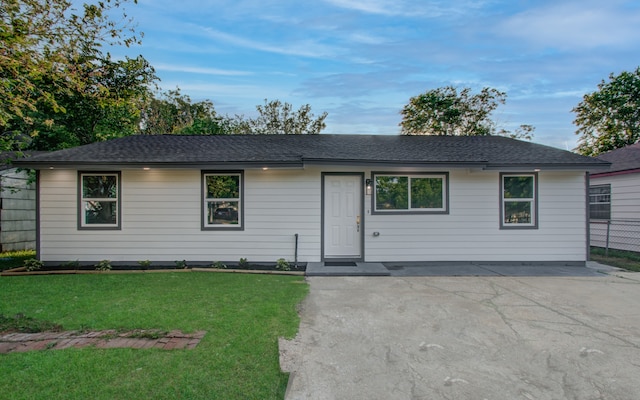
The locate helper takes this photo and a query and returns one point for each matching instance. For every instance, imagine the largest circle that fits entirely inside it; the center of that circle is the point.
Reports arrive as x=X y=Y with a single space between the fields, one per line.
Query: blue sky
x=361 y=60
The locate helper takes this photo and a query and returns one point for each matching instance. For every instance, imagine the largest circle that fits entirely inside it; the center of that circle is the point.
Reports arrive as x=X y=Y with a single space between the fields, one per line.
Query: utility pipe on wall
x=296 y=252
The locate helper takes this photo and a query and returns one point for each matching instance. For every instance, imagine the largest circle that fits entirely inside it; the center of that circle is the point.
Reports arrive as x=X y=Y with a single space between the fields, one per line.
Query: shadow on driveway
x=495 y=269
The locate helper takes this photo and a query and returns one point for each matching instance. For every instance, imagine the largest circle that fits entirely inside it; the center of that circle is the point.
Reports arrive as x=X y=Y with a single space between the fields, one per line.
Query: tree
x=49 y=53
x=609 y=118
x=90 y=116
x=276 y=117
x=445 y=111
x=173 y=112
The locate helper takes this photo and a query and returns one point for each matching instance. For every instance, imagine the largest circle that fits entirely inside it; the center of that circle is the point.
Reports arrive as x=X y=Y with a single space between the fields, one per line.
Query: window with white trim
x=99 y=200
x=600 y=201
x=222 y=202
x=518 y=200
x=414 y=193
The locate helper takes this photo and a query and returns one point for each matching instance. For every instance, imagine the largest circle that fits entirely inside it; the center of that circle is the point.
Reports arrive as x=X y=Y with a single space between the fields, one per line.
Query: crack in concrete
x=568 y=316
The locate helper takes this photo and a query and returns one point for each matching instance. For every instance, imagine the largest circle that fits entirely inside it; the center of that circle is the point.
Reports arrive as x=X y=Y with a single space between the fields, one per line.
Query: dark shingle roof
x=8 y=157
x=626 y=158
x=296 y=150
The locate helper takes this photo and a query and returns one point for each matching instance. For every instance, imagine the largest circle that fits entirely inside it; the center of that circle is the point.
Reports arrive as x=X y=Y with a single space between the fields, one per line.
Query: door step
x=340 y=264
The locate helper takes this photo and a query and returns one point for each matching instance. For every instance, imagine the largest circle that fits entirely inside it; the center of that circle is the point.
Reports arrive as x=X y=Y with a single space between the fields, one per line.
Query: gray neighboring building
x=614 y=200
x=17 y=207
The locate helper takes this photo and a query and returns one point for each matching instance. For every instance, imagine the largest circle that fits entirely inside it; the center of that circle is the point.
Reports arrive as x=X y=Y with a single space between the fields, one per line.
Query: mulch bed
x=107 y=339
x=91 y=269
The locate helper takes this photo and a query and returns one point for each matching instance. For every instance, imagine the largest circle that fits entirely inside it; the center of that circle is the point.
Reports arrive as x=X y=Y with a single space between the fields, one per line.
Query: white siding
x=161 y=211
x=471 y=231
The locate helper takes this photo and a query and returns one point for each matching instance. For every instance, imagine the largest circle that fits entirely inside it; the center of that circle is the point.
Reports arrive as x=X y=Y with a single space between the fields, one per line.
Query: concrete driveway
x=571 y=337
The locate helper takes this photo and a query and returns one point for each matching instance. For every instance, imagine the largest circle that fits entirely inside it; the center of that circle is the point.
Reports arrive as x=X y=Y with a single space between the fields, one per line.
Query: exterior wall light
x=368 y=187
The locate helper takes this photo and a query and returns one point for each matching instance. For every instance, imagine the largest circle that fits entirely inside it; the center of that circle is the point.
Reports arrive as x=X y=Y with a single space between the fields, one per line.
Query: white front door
x=342 y=216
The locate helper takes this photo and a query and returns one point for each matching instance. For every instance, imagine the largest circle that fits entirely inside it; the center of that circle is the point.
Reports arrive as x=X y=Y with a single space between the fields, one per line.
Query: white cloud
x=304 y=48
x=367 y=39
x=200 y=70
x=431 y=9
x=575 y=26
x=383 y=7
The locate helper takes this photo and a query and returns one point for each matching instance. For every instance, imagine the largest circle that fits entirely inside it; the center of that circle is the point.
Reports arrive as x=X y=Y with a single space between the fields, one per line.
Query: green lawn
x=237 y=359
x=628 y=260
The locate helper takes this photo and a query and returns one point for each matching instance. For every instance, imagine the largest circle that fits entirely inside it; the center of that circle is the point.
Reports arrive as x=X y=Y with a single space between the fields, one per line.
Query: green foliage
x=392 y=192
x=223 y=186
x=445 y=111
x=219 y=265
x=283 y=265
x=243 y=315
x=145 y=264
x=24 y=324
x=243 y=263
x=33 y=264
x=181 y=264
x=609 y=118
x=15 y=259
x=104 y=265
x=75 y=264
x=59 y=88
x=95 y=115
x=518 y=187
x=426 y=193
x=276 y=117
x=172 y=112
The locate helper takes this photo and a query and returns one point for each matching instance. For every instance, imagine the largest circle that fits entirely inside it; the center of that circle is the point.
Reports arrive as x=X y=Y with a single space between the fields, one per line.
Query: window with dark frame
x=518 y=200
x=222 y=208
x=600 y=202
x=414 y=193
x=99 y=200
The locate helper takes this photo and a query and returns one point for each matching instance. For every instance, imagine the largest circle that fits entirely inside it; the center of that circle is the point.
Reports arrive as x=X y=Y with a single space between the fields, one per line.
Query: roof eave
x=300 y=164
x=396 y=163
x=221 y=165
x=614 y=173
x=546 y=167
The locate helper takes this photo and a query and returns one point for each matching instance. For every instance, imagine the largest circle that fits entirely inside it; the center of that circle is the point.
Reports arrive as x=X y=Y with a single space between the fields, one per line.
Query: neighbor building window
x=415 y=193
x=519 y=206
x=222 y=202
x=600 y=202
x=99 y=200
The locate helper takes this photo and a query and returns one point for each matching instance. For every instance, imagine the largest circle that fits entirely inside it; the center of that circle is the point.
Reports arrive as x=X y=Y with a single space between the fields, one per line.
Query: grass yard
x=237 y=359
x=628 y=260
